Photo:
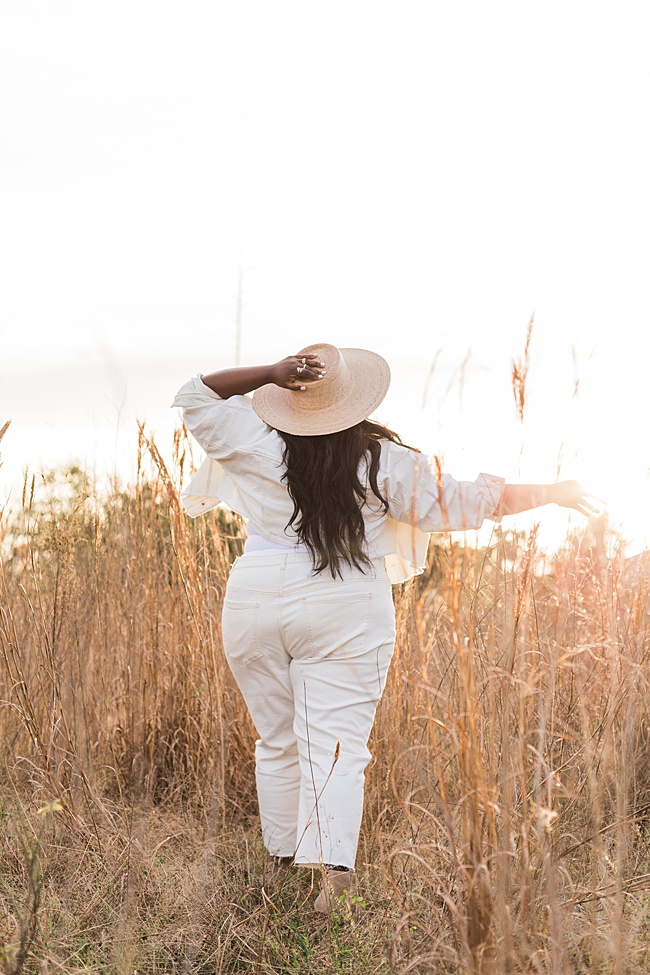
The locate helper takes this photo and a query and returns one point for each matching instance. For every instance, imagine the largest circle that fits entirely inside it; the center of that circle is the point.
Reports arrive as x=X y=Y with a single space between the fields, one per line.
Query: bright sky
x=416 y=178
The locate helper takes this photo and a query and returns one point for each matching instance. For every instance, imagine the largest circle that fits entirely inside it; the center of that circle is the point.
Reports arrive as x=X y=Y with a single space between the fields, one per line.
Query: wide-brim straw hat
x=355 y=383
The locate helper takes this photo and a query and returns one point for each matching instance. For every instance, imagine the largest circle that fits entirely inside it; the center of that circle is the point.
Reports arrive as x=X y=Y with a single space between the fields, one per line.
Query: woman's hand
x=293 y=372
x=570 y=494
x=523 y=497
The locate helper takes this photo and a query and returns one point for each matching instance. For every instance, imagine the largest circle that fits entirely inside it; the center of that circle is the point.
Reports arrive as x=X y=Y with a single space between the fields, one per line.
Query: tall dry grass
x=508 y=800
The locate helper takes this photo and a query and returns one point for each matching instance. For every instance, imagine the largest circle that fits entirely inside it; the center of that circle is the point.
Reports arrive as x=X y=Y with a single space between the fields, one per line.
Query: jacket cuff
x=492 y=489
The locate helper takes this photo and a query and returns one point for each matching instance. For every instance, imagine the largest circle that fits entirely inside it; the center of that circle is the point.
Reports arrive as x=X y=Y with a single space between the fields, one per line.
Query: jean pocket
x=337 y=625
x=239 y=632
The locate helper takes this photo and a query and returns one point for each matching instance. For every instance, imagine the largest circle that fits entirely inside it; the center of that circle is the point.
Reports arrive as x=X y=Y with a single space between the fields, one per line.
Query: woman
x=338 y=509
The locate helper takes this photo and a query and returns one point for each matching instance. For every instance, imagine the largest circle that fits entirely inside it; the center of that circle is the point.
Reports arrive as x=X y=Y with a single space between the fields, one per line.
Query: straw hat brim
x=292 y=411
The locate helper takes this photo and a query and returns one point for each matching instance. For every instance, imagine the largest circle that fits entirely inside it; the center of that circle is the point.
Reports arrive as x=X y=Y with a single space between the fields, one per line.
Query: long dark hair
x=323 y=481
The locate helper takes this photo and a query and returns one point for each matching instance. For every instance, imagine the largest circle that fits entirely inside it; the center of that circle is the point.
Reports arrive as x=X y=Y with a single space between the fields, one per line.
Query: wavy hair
x=323 y=479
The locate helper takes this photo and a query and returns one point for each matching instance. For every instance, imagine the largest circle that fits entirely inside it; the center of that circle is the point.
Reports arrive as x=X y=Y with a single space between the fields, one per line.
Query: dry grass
x=508 y=802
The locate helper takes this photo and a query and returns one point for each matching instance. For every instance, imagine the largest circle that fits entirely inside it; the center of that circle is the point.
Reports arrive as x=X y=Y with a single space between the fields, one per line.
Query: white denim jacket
x=244 y=469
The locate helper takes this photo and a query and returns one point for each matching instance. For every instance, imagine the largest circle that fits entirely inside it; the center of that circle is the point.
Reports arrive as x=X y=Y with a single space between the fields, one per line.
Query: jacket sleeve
x=419 y=493
x=223 y=427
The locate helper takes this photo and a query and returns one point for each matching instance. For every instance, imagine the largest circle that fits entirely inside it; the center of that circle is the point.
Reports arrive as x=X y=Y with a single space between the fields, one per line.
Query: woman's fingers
x=589 y=508
x=578 y=499
x=586 y=509
x=309 y=367
x=584 y=504
x=294 y=371
x=313 y=359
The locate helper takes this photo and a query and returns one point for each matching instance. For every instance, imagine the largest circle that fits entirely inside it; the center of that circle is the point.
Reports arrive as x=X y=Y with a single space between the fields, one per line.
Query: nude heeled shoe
x=334 y=885
x=276 y=870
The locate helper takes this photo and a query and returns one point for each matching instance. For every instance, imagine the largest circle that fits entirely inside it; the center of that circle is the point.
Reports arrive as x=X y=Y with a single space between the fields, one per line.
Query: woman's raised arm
x=290 y=373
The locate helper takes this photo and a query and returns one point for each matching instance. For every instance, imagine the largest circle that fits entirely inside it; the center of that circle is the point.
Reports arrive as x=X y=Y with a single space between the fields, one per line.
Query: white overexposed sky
x=417 y=178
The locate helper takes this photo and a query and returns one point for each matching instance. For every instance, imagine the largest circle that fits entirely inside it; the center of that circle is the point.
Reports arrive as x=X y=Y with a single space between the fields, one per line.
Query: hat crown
x=332 y=387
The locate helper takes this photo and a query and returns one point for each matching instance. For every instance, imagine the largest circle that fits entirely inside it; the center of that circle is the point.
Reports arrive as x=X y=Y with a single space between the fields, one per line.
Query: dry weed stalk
x=520 y=373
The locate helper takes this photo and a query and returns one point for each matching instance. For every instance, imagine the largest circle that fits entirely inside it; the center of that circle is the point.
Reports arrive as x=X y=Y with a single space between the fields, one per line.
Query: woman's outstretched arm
x=523 y=497
x=290 y=373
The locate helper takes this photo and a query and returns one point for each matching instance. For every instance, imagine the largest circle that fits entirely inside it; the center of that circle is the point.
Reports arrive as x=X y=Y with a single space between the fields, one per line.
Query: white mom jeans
x=310 y=655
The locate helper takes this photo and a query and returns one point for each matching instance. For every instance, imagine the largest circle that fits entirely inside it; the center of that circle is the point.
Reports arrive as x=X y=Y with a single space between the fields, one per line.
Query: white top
x=257 y=544
x=244 y=469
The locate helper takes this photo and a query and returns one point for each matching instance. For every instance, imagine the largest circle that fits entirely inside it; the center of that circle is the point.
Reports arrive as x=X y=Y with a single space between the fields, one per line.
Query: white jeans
x=310 y=655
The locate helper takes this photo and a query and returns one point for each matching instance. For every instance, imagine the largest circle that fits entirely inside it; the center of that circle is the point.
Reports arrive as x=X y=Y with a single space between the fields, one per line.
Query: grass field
x=507 y=816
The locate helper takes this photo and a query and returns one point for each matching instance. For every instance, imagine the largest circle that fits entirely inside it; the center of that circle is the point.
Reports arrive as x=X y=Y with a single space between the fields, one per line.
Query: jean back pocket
x=239 y=631
x=336 y=624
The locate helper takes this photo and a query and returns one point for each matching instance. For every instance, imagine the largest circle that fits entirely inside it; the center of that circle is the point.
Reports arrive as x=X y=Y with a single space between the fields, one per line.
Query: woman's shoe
x=337 y=887
x=276 y=870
